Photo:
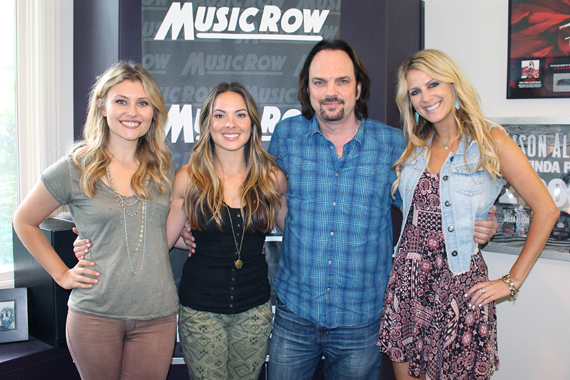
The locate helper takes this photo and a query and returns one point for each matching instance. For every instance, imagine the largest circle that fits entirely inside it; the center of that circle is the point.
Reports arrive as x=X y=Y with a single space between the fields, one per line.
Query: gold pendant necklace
x=238 y=263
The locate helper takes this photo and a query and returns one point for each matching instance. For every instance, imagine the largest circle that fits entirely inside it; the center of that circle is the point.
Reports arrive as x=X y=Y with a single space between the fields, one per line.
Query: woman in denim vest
x=439 y=317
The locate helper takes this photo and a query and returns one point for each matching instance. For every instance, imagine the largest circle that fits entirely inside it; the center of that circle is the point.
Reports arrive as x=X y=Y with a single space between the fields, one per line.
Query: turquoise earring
x=456 y=104
x=417 y=117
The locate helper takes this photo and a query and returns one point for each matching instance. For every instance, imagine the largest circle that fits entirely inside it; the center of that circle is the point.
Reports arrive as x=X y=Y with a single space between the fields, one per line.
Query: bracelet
x=509 y=282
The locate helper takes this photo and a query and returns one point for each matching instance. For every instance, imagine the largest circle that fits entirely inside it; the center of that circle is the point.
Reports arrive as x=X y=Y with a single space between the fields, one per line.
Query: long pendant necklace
x=122 y=206
x=238 y=263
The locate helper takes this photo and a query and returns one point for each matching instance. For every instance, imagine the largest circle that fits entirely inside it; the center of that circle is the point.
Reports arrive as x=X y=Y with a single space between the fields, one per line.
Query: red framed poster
x=539 y=49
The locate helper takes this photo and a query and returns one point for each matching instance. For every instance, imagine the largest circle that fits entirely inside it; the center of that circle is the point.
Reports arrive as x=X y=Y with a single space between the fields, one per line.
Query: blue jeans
x=297 y=345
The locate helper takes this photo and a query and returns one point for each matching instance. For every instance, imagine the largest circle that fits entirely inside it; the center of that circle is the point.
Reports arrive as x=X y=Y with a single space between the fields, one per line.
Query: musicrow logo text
x=237 y=23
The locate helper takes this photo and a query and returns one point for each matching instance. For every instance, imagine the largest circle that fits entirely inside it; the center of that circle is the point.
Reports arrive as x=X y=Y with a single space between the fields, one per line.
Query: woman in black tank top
x=230 y=193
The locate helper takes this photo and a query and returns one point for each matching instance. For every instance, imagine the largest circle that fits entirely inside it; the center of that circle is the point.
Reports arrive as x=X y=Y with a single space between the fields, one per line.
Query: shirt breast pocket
x=469 y=181
x=370 y=183
x=303 y=178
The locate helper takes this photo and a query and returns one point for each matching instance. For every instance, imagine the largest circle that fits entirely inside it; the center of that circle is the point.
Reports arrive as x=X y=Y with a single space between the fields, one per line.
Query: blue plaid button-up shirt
x=337 y=244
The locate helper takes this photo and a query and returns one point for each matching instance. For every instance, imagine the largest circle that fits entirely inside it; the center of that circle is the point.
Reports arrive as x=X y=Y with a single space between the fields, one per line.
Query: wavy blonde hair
x=205 y=195
x=91 y=156
x=470 y=122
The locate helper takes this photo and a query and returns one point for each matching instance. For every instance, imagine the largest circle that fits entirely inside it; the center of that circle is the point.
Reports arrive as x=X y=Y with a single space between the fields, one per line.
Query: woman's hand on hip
x=486 y=292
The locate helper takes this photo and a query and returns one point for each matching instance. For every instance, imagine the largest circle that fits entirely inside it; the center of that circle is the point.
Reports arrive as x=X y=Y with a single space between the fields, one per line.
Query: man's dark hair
x=360 y=73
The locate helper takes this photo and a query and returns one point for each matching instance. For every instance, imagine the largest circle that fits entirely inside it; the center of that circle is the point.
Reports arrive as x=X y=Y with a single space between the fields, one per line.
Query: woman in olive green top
x=117 y=184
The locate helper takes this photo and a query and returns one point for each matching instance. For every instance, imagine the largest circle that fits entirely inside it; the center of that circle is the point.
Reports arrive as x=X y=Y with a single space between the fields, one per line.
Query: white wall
x=534 y=333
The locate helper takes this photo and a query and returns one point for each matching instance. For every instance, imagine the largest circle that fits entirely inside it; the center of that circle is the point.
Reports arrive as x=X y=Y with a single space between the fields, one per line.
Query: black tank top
x=211 y=282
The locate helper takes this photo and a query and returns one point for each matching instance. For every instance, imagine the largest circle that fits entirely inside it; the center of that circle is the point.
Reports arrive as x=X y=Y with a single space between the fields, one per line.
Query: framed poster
x=539 y=49
x=546 y=143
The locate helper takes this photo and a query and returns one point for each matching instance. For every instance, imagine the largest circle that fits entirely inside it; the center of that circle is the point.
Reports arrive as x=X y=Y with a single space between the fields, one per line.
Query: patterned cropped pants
x=225 y=346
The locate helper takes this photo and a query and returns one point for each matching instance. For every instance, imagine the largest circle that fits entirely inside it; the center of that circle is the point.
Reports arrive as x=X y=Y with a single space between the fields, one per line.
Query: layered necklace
x=122 y=205
x=238 y=263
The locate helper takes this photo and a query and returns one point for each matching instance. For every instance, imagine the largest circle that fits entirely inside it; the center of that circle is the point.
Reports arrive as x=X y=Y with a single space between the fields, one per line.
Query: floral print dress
x=426 y=319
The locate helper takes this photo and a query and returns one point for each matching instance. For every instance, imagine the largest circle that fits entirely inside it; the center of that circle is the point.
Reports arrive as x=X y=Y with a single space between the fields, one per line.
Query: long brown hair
x=205 y=195
x=91 y=156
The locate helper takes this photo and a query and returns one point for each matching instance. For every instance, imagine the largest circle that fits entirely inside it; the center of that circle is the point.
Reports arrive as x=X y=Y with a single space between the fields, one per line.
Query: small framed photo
x=13 y=315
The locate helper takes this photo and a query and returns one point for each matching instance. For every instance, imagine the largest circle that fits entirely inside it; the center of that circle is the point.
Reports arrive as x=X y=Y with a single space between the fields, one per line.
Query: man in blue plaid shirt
x=337 y=244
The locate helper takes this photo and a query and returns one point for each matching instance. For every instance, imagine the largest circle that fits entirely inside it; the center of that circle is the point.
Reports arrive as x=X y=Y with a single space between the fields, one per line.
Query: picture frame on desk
x=13 y=315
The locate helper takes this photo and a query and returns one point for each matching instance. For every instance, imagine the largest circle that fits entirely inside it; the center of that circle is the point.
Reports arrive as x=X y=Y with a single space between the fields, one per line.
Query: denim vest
x=466 y=194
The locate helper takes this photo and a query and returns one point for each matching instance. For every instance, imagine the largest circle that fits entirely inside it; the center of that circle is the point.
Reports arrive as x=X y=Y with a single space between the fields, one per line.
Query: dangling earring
x=457 y=104
x=417 y=117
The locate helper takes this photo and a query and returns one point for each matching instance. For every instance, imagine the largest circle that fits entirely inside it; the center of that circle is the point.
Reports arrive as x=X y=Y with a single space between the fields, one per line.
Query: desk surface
x=21 y=354
x=16 y=350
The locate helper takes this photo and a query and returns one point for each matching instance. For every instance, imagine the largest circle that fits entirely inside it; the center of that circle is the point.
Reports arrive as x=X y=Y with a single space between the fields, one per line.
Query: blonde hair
x=205 y=194
x=470 y=122
x=91 y=156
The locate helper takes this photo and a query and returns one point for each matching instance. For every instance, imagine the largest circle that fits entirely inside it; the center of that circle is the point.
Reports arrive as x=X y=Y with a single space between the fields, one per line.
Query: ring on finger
x=482 y=290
